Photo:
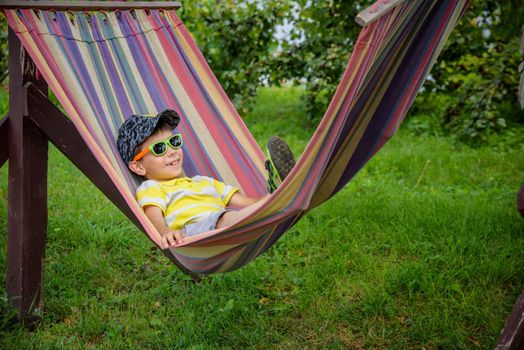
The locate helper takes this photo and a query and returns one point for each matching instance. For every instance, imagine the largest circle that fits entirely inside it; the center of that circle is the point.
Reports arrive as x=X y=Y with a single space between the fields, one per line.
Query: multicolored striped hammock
x=104 y=66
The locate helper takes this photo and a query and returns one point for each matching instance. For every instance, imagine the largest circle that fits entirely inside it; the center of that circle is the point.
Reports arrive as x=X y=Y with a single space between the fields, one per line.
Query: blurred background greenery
x=471 y=93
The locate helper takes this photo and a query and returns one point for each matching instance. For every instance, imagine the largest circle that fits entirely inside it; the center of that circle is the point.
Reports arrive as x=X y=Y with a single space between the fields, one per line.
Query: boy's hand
x=170 y=238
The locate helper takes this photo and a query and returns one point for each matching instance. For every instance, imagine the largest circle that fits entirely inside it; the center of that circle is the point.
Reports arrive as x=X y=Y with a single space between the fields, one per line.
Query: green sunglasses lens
x=175 y=141
x=158 y=148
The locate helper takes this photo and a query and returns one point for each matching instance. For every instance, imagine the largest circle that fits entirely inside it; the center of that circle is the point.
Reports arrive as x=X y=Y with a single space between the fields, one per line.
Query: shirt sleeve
x=225 y=191
x=149 y=193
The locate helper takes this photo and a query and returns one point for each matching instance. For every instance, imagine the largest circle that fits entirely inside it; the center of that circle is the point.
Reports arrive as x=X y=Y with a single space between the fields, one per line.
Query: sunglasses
x=159 y=148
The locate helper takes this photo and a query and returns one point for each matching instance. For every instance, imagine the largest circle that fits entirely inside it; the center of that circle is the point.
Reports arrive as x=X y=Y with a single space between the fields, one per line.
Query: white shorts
x=209 y=223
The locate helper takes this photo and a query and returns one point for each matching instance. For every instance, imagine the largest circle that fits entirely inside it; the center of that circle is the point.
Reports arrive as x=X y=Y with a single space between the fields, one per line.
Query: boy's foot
x=279 y=162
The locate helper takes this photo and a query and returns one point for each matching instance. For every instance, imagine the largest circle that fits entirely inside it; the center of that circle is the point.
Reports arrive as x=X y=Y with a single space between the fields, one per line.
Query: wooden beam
x=375 y=11
x=63 y=134
x=512 y=336
x=4 y=155
x=89 y=5
x=27 y=191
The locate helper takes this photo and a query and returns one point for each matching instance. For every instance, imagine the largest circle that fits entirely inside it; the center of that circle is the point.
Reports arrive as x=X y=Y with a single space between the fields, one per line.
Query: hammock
x=104 y=66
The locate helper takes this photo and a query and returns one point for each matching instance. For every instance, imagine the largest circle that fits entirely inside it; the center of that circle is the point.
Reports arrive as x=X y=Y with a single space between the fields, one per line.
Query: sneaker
x=279 y=162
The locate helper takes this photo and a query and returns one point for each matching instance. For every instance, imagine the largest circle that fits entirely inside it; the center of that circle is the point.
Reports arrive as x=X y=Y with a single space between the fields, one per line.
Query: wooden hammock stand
x=33 y=120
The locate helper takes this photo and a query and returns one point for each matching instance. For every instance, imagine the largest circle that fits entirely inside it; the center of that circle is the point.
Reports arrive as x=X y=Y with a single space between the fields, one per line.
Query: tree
x=475 y=76
x=236 y=38
x=318 y=48
x=478 y=71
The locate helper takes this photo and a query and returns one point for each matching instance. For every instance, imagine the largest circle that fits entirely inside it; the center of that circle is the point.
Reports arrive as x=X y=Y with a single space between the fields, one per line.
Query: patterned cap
x=139 y=127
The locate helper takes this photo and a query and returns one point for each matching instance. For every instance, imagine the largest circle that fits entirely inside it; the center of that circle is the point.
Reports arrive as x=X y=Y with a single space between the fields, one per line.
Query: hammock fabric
x=104 y=66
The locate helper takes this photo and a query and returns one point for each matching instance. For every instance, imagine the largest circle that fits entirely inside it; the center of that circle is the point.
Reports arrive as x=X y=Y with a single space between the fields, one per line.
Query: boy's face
x=160 y=168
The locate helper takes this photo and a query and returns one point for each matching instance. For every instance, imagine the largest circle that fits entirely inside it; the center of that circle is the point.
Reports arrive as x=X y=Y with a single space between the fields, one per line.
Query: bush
x=478 y=71
x=486 y=93
x=473 y=90
x=236 y=38
x=318 y=48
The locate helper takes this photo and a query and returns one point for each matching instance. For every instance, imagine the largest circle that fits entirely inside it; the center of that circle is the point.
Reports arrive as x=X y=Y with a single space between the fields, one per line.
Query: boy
x=177 y=205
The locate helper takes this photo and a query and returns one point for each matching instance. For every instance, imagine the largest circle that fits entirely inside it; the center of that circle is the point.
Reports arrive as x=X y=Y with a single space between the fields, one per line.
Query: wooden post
x=512 y=336
x=520 y=201
x=3 y=141
x=27 y=190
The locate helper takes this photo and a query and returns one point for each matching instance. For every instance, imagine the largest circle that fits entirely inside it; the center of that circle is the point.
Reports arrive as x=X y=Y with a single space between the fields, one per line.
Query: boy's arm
x=240 y=200
x=169 y=237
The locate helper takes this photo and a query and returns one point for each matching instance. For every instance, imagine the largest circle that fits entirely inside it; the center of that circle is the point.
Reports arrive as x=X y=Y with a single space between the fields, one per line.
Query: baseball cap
x=139 y=127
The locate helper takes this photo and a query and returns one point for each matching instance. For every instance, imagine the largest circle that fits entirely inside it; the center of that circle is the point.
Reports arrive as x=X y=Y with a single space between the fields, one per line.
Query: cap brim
x=170 y=116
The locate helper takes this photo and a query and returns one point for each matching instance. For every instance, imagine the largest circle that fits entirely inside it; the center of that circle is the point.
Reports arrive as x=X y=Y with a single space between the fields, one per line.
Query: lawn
x=424 y=248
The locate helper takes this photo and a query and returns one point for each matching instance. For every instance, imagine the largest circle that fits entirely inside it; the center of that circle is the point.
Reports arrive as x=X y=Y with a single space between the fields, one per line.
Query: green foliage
x=478 y=71
x=476 y=76
x=277 y=111
x=318 y=48
x=237 y=39
x=486 y=97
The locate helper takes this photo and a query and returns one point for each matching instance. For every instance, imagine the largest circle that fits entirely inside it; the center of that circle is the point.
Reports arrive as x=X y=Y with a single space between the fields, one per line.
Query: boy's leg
x=279 y=163
x=213 y=221
x=229 y=218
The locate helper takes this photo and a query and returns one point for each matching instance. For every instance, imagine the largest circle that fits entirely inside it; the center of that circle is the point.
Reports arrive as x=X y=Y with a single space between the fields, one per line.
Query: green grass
x=423 y=249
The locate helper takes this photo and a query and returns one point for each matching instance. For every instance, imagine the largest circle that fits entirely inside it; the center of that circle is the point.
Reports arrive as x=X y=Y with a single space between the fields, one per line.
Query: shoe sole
x=280 y=156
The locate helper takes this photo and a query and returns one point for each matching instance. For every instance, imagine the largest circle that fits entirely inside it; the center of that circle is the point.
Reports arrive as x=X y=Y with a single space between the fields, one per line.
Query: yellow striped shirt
x=185 y=200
